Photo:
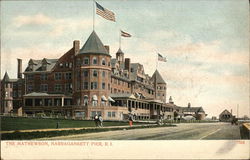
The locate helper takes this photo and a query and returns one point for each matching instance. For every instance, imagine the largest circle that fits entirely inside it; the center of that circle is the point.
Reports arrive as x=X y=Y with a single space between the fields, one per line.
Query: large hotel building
x=86 y=81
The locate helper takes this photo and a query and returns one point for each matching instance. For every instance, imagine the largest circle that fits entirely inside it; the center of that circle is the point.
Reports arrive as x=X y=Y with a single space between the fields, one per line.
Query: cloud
x=48 y=26
x=38 y=19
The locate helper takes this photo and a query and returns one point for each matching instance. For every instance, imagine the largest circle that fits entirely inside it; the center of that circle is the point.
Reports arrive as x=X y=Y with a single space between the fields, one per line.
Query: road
x=184 y=131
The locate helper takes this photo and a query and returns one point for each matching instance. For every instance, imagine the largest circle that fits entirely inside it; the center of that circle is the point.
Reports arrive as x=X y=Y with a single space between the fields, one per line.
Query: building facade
x=86 y=81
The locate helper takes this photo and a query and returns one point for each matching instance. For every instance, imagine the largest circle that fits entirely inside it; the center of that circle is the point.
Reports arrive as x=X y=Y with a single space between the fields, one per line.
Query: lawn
x=21 y=123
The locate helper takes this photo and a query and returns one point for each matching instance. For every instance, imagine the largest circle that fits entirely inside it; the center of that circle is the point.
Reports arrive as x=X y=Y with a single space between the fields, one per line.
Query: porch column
x=62 y=101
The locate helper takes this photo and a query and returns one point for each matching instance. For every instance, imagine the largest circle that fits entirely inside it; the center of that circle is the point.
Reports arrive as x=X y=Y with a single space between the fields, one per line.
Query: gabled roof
x=37 y=65
x=192 y=109
x=6 y=77
x=120 y=51
x=226 y=112
x=93 y=45
x=157 y=77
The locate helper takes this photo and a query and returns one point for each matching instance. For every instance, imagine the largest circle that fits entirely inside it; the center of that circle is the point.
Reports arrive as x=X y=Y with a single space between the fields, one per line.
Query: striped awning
x=94 y=98
x=104 y=98
x=110 y=99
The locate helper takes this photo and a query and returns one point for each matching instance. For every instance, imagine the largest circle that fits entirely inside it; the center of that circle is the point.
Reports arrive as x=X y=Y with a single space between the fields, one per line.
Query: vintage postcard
x=125 y=79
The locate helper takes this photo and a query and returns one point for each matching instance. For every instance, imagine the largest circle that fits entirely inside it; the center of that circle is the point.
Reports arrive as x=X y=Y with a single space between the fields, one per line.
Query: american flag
x=104 y=12
x=125 y=34
x=161 y=58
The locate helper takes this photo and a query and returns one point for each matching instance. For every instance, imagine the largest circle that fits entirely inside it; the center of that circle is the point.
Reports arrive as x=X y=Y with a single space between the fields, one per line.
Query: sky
x=206 y=42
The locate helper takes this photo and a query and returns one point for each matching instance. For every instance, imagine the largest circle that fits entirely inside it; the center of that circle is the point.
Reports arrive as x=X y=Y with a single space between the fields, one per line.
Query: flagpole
x=120 y=39
x=93 y=15
x=156 y=61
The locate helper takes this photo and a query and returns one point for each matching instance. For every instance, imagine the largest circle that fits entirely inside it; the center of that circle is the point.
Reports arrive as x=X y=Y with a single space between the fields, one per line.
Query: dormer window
x=61 y=65
x=44 y=66
x=94 y=61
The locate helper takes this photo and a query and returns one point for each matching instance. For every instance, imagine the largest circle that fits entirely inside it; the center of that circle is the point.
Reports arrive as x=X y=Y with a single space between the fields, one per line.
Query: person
x=130 y=118
x=96 y=120
x=100 y=121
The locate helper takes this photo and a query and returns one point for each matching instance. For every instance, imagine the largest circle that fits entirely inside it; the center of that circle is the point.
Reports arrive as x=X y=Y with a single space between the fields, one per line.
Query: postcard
x=125 y=79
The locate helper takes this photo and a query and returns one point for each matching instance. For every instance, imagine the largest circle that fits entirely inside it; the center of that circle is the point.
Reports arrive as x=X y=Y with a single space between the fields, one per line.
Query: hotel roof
x=157 y=77
x=93 y=45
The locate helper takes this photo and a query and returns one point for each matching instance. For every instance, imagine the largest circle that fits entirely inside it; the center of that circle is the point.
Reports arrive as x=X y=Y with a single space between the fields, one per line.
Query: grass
x=22 y=123
x=47 y=134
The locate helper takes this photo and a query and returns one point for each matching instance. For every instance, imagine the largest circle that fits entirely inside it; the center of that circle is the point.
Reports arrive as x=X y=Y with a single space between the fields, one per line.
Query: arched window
x=103 y=61
x=86 y=61
x=94 y=61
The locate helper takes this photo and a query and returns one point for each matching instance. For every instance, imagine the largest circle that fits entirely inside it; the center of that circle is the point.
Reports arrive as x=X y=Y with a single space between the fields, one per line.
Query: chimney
x=231 y=111
x=127 y=64
x=107 y=48
x=189 y=105
x=19 y=68
x=76 y=46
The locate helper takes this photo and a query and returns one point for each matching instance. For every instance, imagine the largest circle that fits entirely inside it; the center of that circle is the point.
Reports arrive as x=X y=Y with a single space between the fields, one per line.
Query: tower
x=120 y=56
x=92 y=73
x=160 y=86
x=6 y=94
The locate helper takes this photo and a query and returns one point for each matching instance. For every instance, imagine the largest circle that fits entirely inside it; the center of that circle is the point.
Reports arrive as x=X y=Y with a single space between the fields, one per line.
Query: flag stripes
x=105 y=13
x=125 y=34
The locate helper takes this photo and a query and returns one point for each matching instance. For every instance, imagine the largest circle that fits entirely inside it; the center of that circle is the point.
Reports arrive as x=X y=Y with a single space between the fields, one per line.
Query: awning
x=110 y=99
x=104 y=98
x=94 y=98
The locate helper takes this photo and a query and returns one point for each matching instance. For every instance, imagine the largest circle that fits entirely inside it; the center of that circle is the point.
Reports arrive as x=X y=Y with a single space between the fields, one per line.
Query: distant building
x=12 y=91
x=197 y=112
x=214 y=118
x=225 y=116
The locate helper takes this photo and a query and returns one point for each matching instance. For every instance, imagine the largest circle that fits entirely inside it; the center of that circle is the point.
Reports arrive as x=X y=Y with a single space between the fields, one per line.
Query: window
x=78 y=74
x=19 y=94
x=86 y=73
x=30 y=88
x=93 y=85
x=103 y=61
x=61 y=65
x=78 y=85
x=44 y=77
x=86 y=85
x=68 y=75
x=86 y=61
x=68 y=87
x=44 y=87
x=108 y=86
x=66 y=65
x=30 y=77
x=94 y=60
x=14 y=94
x=58 y=87
x=70 y=65
x=95 y=73
x=78 y=62
x=111 y=114
x=103 y=74
x=103 y=85
x=58 y=76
